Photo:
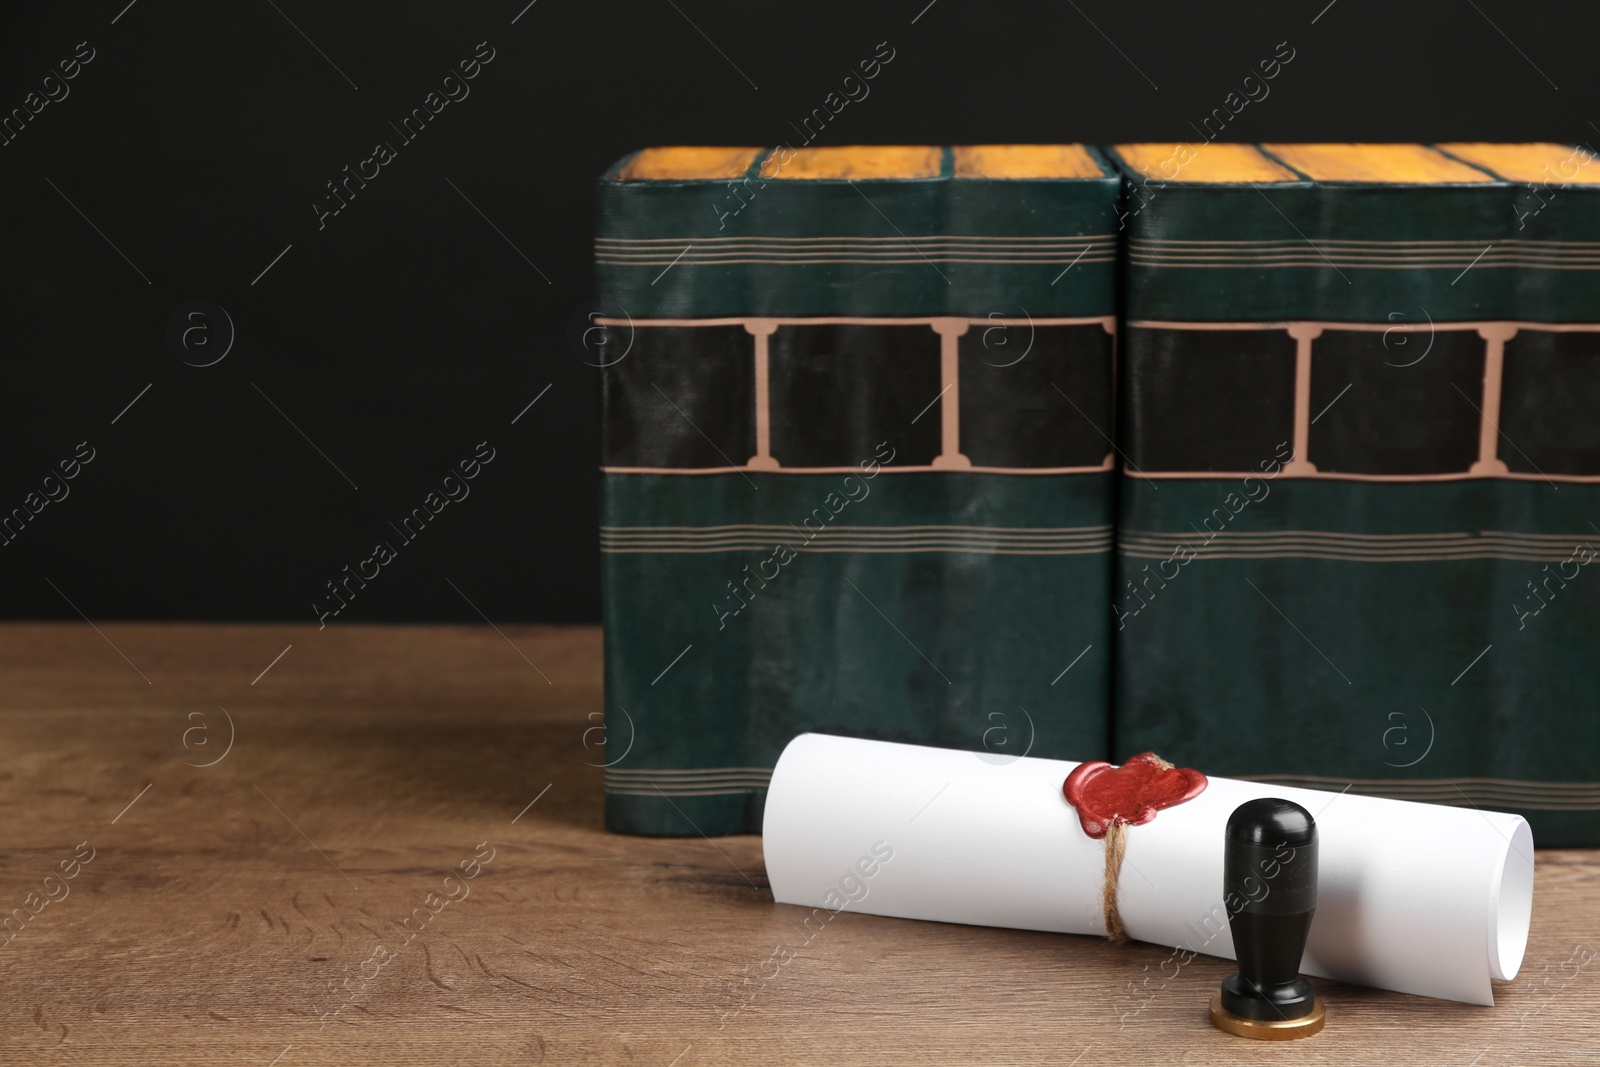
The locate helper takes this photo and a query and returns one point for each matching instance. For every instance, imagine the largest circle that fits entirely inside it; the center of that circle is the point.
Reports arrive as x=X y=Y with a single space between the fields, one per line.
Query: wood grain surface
x=254 y=842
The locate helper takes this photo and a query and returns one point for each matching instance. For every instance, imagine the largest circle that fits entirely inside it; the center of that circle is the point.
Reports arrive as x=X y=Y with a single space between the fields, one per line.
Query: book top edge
x=1209 y=163
x=1050 y=162
x=1219 y=163
x=1540 y=162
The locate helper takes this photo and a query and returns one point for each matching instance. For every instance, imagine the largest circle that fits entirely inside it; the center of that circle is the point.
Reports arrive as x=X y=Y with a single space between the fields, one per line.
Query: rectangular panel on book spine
x=1358 y=509
x=856 y=419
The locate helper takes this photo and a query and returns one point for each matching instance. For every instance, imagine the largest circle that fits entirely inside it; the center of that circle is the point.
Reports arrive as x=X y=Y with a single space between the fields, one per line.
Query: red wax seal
x=1130 y=794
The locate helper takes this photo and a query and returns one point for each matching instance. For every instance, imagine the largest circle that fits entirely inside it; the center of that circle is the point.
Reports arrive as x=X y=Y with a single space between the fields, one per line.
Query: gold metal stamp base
x=1277 y=1030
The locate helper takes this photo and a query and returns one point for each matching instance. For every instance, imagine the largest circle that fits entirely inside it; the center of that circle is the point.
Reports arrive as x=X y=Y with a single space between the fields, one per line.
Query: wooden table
x=255 y=832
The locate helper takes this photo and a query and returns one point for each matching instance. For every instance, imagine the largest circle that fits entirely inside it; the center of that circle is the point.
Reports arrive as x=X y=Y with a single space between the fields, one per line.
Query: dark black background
x=408 y=330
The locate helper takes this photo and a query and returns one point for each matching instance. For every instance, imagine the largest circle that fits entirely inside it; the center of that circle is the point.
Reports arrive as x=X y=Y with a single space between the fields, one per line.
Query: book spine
x=1358 y=497
x=856 y=478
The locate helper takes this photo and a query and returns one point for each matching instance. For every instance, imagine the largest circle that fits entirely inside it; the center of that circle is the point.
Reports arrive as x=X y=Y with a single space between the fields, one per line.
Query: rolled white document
x=1416 y=898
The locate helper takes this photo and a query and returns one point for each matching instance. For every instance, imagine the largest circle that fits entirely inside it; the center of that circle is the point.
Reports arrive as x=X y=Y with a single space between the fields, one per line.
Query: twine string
x=1116 y=846
x=1116 y=849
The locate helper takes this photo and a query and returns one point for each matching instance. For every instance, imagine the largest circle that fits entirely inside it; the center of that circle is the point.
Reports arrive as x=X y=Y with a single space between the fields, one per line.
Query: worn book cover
x=856 y=461
x=1359 y=498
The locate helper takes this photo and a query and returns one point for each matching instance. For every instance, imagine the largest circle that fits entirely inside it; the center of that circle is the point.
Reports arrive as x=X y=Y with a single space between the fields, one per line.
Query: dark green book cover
x=1359 y=500
x=856 y=463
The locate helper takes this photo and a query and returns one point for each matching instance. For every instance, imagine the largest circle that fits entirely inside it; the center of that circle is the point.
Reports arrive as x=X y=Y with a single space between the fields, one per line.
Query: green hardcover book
x=1359 y=502
x=857 y=472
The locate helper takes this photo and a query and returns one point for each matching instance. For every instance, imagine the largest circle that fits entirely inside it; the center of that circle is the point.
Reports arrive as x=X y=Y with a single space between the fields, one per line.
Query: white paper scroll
x=1415 y=898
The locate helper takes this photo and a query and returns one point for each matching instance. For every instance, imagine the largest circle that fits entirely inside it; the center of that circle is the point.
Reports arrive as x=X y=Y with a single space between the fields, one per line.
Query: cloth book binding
x=879 y=459
x=1359 y=501
x=857 y=467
